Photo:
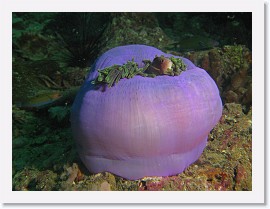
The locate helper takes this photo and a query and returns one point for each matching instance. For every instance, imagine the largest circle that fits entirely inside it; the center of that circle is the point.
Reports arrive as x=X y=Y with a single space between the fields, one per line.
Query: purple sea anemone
x=144 y=126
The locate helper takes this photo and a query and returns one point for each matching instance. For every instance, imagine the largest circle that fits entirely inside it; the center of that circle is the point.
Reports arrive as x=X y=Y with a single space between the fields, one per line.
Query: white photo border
x=257 y=195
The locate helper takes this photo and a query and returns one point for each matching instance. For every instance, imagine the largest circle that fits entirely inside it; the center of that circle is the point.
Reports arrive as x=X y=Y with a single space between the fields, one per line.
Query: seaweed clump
x=111 y=75
x=41 y=142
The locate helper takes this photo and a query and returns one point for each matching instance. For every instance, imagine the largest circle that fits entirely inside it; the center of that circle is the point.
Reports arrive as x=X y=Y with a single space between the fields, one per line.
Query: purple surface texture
x=144 y=126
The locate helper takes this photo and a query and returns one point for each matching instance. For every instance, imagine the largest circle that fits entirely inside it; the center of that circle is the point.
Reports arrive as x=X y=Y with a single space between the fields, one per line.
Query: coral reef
x=44 y=154
x=34 y=180
x=224 y=165
x=230 y=67
x=135 y=28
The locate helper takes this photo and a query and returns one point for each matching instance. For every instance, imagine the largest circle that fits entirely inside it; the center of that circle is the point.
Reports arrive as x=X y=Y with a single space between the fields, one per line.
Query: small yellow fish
x=41 y=100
